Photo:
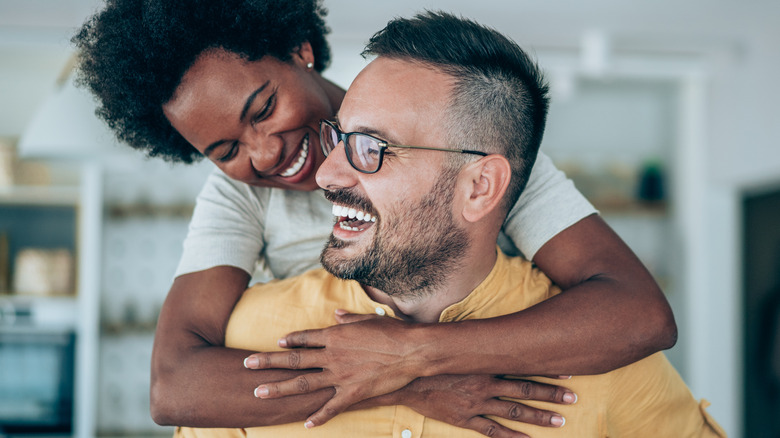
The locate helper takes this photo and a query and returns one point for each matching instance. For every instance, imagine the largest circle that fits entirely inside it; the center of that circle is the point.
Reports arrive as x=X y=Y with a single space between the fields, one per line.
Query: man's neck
x=428 y=306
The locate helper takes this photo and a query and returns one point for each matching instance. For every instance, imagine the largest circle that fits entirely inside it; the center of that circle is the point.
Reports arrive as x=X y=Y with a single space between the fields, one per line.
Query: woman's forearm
x=208 y=387
x=197 y=382
x=611 y=313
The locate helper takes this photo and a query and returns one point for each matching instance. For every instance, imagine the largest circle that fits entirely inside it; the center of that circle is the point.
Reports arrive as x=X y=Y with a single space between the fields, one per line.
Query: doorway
x=761 y=232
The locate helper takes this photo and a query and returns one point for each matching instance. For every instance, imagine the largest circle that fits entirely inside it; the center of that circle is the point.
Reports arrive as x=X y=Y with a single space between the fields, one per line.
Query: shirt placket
x=407 y=423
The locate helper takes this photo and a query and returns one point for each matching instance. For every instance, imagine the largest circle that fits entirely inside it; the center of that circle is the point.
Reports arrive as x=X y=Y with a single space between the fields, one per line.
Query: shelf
x=67 y=195
x=631 y=208
x=125 y=211
x=41 y=312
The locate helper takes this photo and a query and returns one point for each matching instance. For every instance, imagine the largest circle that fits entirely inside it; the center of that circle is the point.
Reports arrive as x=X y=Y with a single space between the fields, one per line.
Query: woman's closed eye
x=230 y=151
x=266 y=110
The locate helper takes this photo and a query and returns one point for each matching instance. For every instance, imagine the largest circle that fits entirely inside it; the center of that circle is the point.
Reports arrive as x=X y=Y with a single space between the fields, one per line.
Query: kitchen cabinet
x=66 y=215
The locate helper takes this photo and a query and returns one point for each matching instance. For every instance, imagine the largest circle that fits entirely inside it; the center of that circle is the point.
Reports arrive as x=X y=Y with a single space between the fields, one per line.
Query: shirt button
x=381 y=312
x=406 y=433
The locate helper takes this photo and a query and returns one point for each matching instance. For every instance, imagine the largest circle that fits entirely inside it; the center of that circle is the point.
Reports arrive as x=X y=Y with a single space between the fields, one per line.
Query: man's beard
x=412 y=253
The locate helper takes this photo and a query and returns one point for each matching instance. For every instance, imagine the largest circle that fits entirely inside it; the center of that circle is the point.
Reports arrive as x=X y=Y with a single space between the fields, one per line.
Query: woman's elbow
x=162 y=410
x=660 y=327
x=667 y=330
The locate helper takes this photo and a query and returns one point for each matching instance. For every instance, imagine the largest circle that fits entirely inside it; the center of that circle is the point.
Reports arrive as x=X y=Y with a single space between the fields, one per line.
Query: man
x=434 y=141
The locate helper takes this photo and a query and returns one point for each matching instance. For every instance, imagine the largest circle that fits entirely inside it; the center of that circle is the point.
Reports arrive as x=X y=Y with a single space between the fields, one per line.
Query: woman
x=239 y=82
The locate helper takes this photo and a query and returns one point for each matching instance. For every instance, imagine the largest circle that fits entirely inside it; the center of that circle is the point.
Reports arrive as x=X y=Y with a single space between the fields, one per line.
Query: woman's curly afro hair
x=133 y=54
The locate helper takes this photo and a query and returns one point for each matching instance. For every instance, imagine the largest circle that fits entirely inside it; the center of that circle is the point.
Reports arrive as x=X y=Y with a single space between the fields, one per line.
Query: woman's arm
x=196 y=382
x=612 y=307
x=611 y=313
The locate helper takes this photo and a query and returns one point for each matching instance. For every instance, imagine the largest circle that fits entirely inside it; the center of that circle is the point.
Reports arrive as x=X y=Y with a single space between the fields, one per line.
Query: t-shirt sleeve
x=549 y=204
x=226 y=227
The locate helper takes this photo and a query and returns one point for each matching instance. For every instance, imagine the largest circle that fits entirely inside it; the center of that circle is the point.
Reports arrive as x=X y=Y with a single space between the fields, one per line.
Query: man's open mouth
x=297 y=165
x=351 y=219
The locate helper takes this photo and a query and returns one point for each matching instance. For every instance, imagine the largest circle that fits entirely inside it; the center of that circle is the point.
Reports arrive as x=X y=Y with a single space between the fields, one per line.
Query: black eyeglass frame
x=344 y=137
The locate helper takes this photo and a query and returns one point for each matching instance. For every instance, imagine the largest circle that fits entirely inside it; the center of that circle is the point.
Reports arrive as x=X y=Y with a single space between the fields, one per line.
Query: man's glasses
x=365 y=152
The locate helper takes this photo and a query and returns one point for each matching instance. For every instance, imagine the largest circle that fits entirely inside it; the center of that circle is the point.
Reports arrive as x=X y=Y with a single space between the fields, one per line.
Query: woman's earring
x=310 y=65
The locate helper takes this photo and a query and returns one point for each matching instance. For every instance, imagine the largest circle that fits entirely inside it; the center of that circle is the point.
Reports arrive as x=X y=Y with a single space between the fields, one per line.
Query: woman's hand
x=368 y=356
x=363 y=357
x=466 y=401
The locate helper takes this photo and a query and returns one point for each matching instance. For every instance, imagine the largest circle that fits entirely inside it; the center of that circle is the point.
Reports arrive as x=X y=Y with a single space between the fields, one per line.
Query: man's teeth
x=342 y=211
x=296 y=167
x=351 y=213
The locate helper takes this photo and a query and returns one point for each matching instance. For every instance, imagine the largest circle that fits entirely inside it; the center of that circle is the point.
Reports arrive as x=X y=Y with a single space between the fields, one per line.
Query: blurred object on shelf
x=611 y=187
x=7 y=162
x=33 y=173
x=43 y=272
x=145 y=209
x=4 y=264
x=651 y=182
x=133 y=319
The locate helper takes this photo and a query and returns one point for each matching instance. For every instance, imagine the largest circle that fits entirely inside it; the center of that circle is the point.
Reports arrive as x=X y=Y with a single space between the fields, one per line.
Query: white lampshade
x=66 y=127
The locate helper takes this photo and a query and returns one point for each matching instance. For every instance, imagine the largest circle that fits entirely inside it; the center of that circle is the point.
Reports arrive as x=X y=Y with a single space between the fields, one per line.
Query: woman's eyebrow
x=210 y=148
x=251 y=99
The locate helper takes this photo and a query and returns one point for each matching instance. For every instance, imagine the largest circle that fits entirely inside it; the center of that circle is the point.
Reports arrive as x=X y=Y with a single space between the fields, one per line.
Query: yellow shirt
x=645 y=399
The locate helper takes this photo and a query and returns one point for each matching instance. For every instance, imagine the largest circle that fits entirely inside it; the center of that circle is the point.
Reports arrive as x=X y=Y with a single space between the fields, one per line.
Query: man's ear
x=484 y=183
x=303 y=54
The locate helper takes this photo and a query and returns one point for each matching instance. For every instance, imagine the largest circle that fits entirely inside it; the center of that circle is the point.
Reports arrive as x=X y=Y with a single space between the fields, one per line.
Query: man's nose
x=336 y=172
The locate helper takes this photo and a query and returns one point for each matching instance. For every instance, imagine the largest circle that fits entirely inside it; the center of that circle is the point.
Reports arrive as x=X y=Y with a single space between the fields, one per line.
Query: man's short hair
x=133 y=54
x=500 y=98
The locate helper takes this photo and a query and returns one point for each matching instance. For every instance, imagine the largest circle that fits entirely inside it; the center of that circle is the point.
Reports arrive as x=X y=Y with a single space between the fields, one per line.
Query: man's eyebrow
x=374 y=132
x=251 y=99
x=247 y=105
x=364 y=130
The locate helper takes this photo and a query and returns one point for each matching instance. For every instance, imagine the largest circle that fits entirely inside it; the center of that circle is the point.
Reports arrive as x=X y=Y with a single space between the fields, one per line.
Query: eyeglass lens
x=363 y=152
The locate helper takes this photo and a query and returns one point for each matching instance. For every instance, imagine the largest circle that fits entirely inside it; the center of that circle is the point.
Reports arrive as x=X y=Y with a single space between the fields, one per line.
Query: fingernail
x=341 y=312
x=570 y=398
x=261 y=391
x=251 y=362
x=557 y=421
x=309 y=424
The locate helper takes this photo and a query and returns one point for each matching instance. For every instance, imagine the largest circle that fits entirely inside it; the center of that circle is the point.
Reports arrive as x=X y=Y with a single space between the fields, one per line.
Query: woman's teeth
x=298 y=164
x=341 y=211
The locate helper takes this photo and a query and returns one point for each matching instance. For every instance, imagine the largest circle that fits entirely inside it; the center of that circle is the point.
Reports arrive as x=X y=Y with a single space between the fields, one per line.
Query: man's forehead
x=390 y=91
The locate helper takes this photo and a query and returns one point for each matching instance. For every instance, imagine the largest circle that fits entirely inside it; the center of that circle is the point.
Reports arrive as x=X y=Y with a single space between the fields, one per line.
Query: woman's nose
x=264 y=150
x=336 y=172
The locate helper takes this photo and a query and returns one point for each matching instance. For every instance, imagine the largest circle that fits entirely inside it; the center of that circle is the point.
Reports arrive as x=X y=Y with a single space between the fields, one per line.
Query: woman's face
x=257 y=121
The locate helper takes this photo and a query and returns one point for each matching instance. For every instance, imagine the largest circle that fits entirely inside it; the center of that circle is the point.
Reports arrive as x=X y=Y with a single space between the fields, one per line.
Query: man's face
x=415 y=240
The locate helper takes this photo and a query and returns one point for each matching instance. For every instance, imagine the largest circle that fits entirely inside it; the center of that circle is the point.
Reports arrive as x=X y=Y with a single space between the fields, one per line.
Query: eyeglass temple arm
x=462 y=151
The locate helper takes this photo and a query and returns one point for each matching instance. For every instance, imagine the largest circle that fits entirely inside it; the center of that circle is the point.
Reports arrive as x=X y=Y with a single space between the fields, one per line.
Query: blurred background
x=664 y=113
